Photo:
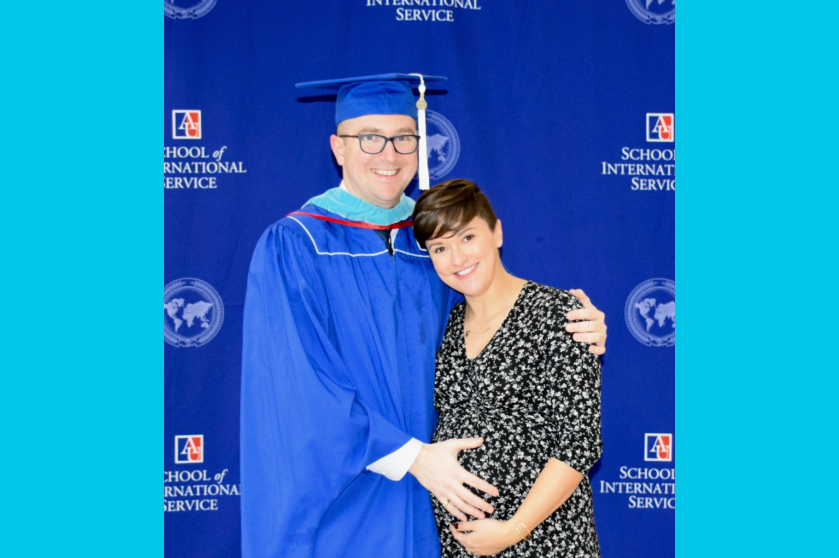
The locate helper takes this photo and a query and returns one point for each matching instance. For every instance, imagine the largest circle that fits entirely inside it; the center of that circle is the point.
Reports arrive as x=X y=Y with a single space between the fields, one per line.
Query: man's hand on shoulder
x=592 y=329
x=437 y=469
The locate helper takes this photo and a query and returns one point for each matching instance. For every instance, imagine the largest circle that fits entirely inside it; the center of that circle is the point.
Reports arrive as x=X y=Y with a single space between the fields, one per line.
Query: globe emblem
x=187 y=9
x=651 y=313
x=443 y=145
x=654 y=12
x=192 y=313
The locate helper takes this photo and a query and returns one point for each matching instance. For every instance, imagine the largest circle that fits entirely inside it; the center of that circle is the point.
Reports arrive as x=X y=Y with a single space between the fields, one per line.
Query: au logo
x=443 y=145
x=654 y=12
x=651 y=313
x=186 y=124
x=661 y=127
x=658 y=447
x=189 y=449
x=192 y=313
x=190 y=10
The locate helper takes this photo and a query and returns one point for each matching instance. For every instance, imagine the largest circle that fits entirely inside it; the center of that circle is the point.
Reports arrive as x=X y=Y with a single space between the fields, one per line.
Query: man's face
x=377 y=179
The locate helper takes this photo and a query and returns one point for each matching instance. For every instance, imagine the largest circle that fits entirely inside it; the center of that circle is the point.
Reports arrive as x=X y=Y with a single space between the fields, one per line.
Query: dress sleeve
x=305 y=433
x=575 y=390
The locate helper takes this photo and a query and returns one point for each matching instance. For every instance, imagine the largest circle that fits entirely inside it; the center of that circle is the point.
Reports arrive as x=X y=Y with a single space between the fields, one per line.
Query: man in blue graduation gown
x=343 y=316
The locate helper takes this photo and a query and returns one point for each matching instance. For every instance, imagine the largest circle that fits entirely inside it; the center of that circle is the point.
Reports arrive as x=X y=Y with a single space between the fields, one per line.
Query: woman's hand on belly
x=437 y=469
x=485 y=537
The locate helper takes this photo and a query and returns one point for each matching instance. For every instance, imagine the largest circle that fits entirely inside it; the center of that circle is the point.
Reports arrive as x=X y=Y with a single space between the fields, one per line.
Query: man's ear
x=337 y=145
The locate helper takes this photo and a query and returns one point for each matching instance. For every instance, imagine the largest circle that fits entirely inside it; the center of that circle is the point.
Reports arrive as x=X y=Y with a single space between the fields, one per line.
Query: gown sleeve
x=305 y=433
x=575 y=393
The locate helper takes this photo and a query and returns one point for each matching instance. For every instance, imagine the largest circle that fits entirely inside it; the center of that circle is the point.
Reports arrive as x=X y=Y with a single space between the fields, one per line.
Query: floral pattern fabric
x=532 y=394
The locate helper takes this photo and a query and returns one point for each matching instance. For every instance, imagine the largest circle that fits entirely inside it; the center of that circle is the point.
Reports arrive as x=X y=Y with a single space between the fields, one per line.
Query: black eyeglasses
x=373 y=144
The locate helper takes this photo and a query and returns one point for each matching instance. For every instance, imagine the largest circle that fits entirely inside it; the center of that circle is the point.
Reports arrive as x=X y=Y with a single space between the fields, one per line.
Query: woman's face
x=468 y=260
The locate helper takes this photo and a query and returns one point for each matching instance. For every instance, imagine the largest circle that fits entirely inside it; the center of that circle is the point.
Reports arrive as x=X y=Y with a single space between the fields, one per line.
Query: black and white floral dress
x=532 y=394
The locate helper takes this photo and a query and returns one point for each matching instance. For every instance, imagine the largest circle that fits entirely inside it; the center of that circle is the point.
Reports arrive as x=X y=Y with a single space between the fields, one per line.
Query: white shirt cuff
x=395 y=465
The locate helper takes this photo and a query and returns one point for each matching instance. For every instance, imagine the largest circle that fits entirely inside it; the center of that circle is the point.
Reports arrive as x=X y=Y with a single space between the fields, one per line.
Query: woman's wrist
x=508 y=534
x=519 y=530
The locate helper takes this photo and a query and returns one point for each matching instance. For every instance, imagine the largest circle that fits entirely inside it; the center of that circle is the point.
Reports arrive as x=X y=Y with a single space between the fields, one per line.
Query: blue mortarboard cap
x=379 y=94
x=382 y=94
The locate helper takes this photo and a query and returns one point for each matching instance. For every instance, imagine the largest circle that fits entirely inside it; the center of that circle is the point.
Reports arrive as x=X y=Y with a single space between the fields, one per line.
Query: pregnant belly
x=514 y=452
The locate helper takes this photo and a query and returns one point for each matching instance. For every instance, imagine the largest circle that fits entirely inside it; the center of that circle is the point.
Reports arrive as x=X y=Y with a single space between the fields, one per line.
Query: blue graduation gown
x=338 y=372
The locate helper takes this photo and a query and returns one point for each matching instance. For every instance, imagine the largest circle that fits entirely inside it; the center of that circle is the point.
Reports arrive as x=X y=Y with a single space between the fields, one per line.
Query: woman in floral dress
x=510 y=373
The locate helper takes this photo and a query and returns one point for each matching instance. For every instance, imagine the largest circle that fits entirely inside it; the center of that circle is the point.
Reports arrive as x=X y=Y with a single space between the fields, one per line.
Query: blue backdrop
x=563 y=113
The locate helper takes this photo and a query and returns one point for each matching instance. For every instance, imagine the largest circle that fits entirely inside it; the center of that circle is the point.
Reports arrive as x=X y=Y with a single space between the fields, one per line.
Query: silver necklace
x=468 y=331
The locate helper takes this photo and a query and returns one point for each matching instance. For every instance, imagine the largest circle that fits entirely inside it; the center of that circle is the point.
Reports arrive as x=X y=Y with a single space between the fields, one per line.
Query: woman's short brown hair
x=448 y=207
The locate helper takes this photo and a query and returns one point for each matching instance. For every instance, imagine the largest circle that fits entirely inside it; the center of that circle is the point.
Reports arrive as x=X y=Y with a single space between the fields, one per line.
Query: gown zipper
x=385 y=234
x=389 y=241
